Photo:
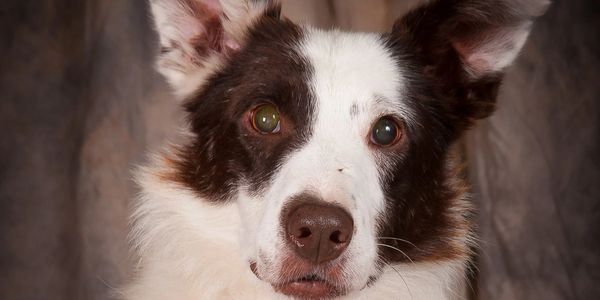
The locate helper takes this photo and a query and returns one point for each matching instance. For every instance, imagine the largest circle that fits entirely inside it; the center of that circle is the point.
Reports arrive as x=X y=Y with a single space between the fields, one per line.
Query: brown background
x=80 y=104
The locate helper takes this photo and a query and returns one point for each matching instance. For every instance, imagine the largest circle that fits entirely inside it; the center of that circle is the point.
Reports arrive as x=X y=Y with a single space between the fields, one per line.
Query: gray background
x=80 y=104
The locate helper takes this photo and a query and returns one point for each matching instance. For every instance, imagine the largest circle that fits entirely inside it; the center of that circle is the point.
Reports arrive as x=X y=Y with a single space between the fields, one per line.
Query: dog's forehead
x=354 y=73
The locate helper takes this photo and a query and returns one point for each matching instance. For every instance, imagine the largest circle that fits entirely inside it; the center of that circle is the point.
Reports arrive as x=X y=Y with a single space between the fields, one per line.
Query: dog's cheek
x=367 y=206
x=362 y=258
x=260 y=234
x=251 y=212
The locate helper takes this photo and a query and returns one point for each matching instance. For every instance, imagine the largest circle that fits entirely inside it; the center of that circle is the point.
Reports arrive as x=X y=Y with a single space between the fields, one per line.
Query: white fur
x=188 y=248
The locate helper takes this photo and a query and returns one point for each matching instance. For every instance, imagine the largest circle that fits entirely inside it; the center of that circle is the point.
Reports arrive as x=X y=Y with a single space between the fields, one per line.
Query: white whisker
x=394 y=248
x=399 y=239
x=401 y=277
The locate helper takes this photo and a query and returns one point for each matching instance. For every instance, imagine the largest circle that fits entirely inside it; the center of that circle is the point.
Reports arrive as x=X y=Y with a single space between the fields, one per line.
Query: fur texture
x=208 y=223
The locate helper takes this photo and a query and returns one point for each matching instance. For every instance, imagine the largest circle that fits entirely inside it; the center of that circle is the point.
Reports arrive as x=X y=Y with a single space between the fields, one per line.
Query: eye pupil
x=266 y=119
x=385 y=132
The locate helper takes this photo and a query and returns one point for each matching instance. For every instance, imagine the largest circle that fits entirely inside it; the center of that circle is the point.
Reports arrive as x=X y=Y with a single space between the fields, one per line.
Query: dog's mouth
x=306 y=286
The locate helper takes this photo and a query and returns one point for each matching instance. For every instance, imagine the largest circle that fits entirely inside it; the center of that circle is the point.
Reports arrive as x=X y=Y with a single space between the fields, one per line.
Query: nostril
x=318 y=232
x=304 y=232
x=338 y=237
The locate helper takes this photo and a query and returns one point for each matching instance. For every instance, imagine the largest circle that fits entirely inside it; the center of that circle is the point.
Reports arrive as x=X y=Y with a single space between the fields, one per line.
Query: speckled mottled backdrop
x=80 y=103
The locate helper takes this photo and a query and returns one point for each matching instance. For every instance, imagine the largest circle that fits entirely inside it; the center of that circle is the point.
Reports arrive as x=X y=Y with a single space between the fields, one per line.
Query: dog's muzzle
x=317 y=234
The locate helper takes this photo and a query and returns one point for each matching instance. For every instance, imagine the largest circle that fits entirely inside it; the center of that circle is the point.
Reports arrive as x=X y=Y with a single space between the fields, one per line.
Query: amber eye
x=265 y=119
x=385 y=132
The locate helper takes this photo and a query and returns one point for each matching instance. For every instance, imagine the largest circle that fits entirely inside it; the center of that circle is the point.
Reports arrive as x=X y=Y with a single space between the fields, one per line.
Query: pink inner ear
x=231 y=44
x=476 y=64
x=196 y=18
x=490 y=50
x=204 y=28
x=213 y=6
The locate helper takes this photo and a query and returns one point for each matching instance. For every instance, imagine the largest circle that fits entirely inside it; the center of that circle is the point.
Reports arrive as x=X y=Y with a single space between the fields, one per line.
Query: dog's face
x=335 y=146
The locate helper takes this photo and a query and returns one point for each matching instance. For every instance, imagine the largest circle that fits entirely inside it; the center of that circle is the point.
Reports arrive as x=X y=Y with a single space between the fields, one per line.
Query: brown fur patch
x=427 y=212
x=225 y=152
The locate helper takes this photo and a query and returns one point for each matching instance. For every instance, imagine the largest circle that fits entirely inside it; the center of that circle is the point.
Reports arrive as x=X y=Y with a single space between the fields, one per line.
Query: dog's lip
x=307 y=286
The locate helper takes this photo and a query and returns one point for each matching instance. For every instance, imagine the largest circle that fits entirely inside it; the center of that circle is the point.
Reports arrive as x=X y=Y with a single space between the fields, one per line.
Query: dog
x=318 y=164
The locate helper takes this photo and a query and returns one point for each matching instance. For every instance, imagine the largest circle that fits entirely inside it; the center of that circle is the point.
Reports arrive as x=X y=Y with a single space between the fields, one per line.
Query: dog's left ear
x=466 y=45
x=198 y=36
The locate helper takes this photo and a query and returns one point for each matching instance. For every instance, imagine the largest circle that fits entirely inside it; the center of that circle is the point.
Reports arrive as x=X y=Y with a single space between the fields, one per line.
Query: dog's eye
x=265 y=119
x=385 y=132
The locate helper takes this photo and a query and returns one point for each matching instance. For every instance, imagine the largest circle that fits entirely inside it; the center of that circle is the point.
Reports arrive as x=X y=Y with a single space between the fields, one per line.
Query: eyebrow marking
x=354 y=110
x=380 y=99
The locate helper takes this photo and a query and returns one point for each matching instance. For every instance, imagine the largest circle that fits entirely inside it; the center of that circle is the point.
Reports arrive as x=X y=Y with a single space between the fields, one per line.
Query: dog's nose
x=319 y=232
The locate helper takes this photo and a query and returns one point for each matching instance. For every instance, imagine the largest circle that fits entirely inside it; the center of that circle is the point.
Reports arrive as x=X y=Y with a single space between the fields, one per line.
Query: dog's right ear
x=466 y=45
x=198 y=36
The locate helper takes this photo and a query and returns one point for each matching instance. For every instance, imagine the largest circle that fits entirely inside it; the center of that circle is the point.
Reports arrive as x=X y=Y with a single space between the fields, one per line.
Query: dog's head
x=335 y=146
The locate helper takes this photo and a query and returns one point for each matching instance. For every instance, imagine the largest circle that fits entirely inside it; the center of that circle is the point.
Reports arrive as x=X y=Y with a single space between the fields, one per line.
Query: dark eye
x=385 y=132
x=265 y=119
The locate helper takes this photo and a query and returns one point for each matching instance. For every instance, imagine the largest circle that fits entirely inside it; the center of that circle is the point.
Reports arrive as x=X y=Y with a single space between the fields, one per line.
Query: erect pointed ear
x=466 y=46
x=197 y=36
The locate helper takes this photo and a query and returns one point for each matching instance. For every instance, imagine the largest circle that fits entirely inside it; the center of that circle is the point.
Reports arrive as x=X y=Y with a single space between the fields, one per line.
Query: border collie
x=318 y=164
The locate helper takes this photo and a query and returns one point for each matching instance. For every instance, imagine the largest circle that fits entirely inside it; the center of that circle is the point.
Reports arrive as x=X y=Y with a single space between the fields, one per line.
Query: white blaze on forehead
x=354 y=68
x=354 y=80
